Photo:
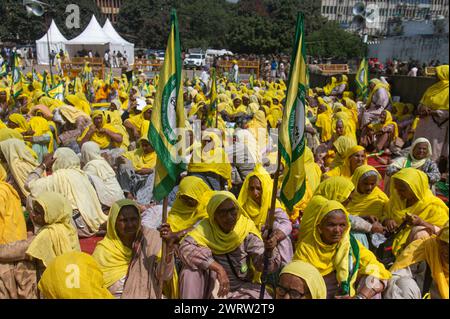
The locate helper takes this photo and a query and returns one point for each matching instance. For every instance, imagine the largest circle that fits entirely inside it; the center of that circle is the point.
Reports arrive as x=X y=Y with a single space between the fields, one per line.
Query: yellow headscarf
x=19 y=120
x=330 y=86
x=436 y=96
x=209 y=234
x=111 y=254
x=41 y=126
x=345 y=169
x=427 y=250
x=12 y=221
x=310 y=275
x=87 y=278
x=388 y=121
x=7 y=133
x=429 y=208
x=352 y=106
x=250 y=208
x=372 y=204
x=348 y=123
x=342 y=145
x=57 y=236
x=71 y=113
x=102 y=139
x=79 y=103
x=378 y=85
x=20 y=161
x=140 y=160
x=182 y=216
x=328 y=258
x=324 y=122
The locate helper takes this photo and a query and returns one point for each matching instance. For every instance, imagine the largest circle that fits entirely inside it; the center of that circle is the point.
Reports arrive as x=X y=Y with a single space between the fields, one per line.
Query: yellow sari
x=57 y=236
x=436 y=96
x=373 y=204
x=328 y=258
x=429 y=208
x=103 y=140
x=324 y=123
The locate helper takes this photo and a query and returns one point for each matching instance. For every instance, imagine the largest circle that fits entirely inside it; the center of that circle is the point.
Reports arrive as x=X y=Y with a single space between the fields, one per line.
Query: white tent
x=92 y=38
x=119 y=43
x=57 y=42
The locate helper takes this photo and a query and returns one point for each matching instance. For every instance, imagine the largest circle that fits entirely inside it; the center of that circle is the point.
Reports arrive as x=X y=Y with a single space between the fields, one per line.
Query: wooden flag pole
x=159 y=288
x=269 y=227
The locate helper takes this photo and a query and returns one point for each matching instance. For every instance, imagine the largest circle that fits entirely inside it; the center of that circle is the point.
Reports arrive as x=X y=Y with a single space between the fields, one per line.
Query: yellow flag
x=168 y=115
x=291 y=139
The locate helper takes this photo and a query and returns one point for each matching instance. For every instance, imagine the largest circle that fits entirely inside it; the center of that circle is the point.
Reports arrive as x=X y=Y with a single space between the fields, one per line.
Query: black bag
x=384 y=251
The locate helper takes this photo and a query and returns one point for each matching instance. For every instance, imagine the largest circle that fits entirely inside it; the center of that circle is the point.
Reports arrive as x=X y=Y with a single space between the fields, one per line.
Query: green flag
x=17 y=85
x=362 y=80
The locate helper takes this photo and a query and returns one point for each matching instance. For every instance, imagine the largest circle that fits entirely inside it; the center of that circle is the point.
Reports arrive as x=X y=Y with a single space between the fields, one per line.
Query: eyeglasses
x=293 y=294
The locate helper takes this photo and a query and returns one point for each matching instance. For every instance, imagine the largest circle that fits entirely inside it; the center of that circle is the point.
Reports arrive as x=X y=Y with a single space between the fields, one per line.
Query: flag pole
x=159 y=288
x=269 y=226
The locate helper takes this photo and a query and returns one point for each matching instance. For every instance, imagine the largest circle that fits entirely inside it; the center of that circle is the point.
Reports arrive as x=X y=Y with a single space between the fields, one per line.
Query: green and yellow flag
x=291 y=139
x=4 y=71
x=57 y=92
x=362 y=80
x=212 y=116
x=168 y=115
x=17 y=85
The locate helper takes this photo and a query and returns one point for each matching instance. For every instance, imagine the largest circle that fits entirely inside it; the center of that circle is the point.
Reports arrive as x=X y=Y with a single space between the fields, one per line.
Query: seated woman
x=348 y=268
x=105 y=135
x=114 y=118
x=129 y=255
x=355 y=157
x=20 y=162
x=101 y=175
x=68 y=179
x=210 y=162
x=300 y=280
x=189 y=207
x=368 y=201
x=323 y=122
x=135 y=124
x=225 y=247
x=412 y=202
x=53 y=284
x=255 y=199
x=431 y=254
x=403 y=115
x=26 y=259
x=379 y=137
x=340 y=147
x=341 y=86
x=135 y=168
x=419 y=157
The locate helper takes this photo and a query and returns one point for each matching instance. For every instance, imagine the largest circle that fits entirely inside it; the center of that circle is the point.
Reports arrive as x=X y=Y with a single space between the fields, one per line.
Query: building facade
x=385 y=12
x=110 y=8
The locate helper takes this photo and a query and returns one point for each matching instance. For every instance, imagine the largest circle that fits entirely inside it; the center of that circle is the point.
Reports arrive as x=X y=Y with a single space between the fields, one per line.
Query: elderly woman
x=105 y=135
x=355 y=157
x=419 y=157
x=54 y=235
x=432 y=254
x=129 y=255
x=224 y=248
x=380 y=136
x=433 y=113
x=53 y=284
x=348 y=268
x=255 y=199
x=68 y=179
x=300 y=280
x=101 y=174
x=379 y=99
x=412 y=202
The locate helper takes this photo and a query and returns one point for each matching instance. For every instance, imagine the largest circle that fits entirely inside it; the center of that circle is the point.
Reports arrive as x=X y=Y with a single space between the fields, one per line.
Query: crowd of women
x=72 y=170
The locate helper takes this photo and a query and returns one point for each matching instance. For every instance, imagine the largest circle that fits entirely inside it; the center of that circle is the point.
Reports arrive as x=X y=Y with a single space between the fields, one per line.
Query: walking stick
x=159 y=288
x=269 y=227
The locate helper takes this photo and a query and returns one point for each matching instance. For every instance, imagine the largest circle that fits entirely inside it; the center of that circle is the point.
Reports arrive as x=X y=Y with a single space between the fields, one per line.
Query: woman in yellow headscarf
x=355 y=157
x=78 y=103
x=12 y=221
x=434 y=114
x=135 y=123
x=20 y=160
x=52 y=213
x=339 y=257
x=129 y=255
x=343 y=125
x=225 y=239
x=18 y=122
x=113 y=117
x=301 y=280
x=327 y=89
x=434 y=252
x=53 y=283
x=340 y=147
x=340 y=87
x=210 y=162
x=323 y=122
x=105 y=135
x=411 y=201
x=255 y=199
x=381 y=135
x=189 y=207
x=352 y=107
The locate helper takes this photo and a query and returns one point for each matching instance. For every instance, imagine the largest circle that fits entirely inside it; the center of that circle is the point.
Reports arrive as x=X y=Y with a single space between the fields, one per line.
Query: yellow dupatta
x=378 y=85
x=436 y=96
x=112 y=256
x=19 y=120
x=372 y=204
x=258 y=214
x=139 y=159
x=345 y=169
x=53 y=283
x=310 y=275
x=41 y=126
x=387 y=122
x=324 y=122
x=102 y=139
x=427 y=250
x=208 y=233
x=328 y=258
x=429 y=208
x=79 y=103
x=330 y=86
x=342 y=146
x=182 y=216
x=348 y=123
x=57 y=236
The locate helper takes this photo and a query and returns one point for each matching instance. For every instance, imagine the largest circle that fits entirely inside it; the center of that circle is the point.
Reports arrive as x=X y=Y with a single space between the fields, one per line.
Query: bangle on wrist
x=360 y=296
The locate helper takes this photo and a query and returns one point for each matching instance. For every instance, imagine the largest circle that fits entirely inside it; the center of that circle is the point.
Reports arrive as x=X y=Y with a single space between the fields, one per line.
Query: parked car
x=195 y=60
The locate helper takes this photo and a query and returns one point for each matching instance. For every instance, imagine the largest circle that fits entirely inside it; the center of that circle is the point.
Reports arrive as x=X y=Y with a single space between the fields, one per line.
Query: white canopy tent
x=119 y=43
x=57 y=42
x=92 y=38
